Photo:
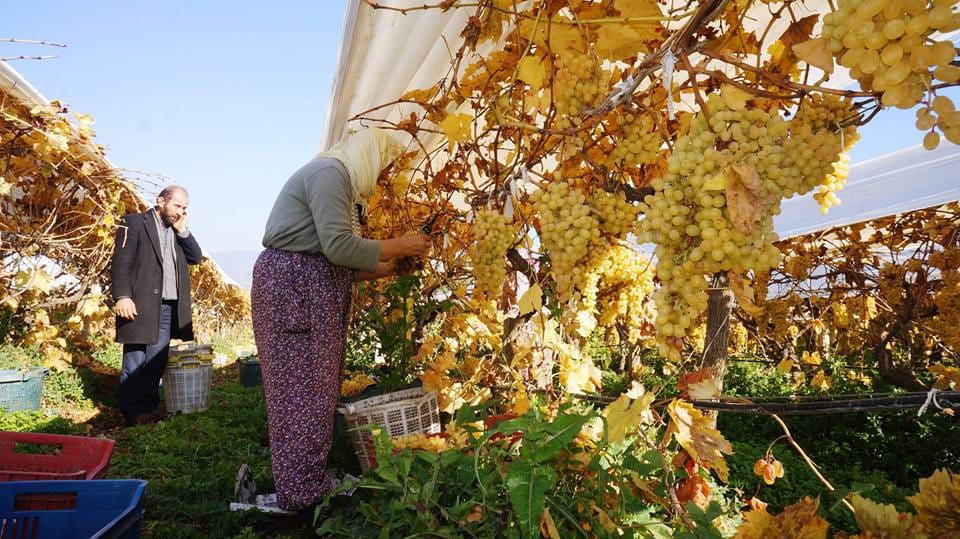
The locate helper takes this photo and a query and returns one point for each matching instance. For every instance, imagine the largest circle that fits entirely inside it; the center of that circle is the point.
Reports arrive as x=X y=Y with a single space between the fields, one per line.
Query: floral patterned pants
x=301 y=305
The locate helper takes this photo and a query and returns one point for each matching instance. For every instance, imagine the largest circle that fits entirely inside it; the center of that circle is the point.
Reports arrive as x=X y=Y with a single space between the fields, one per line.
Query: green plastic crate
x=21 y=389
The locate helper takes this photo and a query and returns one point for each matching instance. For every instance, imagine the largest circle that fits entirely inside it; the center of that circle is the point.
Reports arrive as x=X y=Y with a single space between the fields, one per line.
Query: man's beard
x=167 y=219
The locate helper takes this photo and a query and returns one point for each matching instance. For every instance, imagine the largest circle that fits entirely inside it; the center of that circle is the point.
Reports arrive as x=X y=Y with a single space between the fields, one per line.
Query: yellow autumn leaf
x=36 y=280
x=41 y=318
x=456 y=127
x=89 y=305
x=4 y=187
x=734 y=97
x=785 y=365
x=947 y=377
x=531 y=300
x=938 y=503
x=695 y=432
x=703 y=390
x=811 y=359
x=423 y=95
x=815 y=52
x=586 y=323
x=637 y=8
x=883 y=520
x=746 y=201
x=744 y=295
x=821 y=381
x=532 y=71
x=818 y=326
x=624 y=416
x=563 y=35
x=579 y=375
x=797 y=521
x=621 y=41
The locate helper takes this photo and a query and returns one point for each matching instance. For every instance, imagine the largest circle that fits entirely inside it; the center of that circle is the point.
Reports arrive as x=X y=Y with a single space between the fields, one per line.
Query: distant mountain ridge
x=238 y=265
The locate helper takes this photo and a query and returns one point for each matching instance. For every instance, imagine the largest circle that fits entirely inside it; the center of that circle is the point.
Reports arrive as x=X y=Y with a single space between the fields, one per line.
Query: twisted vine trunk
x=719 y=308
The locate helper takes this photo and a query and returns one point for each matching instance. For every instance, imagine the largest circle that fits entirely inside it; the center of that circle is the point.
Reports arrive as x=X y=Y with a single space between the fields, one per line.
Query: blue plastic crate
x=21 y=389
x=71 y=509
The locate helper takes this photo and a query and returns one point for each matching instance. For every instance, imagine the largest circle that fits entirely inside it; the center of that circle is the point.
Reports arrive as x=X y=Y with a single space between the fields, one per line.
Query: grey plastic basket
x=186 y=385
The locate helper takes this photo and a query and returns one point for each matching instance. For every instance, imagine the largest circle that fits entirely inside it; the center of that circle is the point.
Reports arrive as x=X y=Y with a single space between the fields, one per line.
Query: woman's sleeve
x=330 y=199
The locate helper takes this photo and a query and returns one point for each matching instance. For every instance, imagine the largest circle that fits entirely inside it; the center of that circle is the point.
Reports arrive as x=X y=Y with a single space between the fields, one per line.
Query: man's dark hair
x=171 y=189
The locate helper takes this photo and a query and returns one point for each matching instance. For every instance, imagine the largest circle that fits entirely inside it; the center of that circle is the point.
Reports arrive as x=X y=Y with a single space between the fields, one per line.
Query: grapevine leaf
x=883 y=520
x=799 y=30
x=456 y=127
x=946 y=376
x=531 y=300
x=548 y=528
x=695 y=433
x=815 y=52
x=624 y=416
x=703 y=390
x=798 y=521
x=745 y=201
x=938 y=503
x=622 y=41
x=532 y=72
x=744 y=295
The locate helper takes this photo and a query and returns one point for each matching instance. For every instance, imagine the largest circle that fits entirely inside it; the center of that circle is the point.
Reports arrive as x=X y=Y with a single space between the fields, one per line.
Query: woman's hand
x=413 y=245
x=383 y=269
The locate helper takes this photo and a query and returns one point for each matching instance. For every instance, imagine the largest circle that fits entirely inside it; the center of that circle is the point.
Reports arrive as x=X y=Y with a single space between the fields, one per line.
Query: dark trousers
x=143 y=366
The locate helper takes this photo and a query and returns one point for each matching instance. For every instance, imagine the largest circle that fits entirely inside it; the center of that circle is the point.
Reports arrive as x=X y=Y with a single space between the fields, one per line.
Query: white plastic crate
x=186 y=385
x=402 y=412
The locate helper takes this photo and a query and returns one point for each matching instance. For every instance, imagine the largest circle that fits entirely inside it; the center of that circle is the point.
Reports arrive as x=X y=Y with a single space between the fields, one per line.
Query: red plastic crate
x=77 y=457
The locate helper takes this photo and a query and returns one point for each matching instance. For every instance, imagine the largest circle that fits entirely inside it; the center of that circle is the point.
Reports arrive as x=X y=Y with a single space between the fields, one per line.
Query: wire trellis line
x=946 y=400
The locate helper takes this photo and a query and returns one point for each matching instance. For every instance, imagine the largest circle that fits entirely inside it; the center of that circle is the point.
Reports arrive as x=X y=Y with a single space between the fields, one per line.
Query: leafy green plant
x=19 y=357
x=36 y=421
x=388 y=328
x=514 y=479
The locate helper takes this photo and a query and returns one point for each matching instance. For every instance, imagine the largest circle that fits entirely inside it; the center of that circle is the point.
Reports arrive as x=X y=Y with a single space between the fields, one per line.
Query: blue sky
x=225 y=98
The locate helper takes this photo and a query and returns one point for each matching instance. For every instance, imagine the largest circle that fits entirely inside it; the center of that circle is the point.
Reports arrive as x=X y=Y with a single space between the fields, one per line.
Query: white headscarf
x=364 y=154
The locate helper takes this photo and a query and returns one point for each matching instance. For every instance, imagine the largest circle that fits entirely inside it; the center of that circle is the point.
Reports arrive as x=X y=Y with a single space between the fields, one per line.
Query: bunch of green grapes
x=942 y=114
x=639 y=141
x=493 y=234
x=826 y=195
x=888 y=47
x=730 y=150
x=579 y=84
x=617 y=215
x=567 y=226
x=816 y=149
x=624 y=281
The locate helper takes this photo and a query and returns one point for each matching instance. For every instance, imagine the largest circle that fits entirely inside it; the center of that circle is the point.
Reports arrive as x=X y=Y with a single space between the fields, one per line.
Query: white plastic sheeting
x=384 y=54
x=898 y=182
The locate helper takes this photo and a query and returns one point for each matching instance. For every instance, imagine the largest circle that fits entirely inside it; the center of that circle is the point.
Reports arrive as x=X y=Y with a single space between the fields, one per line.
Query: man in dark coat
x=151 y=288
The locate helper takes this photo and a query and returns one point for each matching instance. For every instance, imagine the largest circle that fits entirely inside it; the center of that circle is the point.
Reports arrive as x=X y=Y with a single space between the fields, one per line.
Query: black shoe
x=307 y=514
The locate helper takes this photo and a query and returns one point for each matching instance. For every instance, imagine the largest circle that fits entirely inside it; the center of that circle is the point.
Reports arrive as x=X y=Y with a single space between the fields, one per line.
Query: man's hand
x=125 y=308
x=180 y=225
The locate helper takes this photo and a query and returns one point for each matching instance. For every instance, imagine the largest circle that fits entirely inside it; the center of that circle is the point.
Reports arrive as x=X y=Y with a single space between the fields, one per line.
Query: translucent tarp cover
x=898 y=182
x=384 y=54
